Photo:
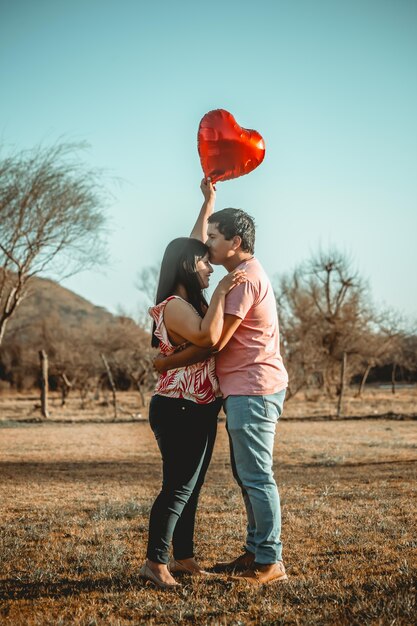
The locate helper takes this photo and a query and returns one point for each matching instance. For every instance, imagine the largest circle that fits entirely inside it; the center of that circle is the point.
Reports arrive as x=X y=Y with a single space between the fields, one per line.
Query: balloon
x=226 y=149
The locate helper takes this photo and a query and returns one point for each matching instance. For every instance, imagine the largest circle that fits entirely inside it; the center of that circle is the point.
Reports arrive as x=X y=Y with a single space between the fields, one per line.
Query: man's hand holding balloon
x=208 y=189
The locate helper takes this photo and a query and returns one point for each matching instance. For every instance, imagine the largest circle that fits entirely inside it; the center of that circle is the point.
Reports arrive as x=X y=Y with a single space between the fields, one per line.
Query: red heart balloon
x=226 y=149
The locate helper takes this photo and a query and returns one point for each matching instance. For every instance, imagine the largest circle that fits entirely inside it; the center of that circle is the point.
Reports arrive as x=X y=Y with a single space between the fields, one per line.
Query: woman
x=183 y=411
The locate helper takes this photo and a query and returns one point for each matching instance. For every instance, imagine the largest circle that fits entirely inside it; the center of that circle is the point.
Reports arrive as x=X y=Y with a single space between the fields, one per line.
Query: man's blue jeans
x=251 y=422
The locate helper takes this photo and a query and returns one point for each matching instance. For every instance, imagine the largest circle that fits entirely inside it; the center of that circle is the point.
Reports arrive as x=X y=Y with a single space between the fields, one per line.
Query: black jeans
x=185 y=432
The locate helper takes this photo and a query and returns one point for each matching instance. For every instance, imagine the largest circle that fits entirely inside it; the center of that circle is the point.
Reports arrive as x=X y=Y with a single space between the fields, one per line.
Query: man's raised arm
x=200 y=227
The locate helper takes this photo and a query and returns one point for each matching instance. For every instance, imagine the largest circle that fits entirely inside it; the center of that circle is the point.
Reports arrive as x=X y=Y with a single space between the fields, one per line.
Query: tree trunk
x=83 y=395
x=393 y=381
x=342 y=385
x=65 y=388
x=43 y=358
x=363 y=381
x=112 y=385
x=3 y=323
x=142 y=395
x=137 y=381
x=10 y=303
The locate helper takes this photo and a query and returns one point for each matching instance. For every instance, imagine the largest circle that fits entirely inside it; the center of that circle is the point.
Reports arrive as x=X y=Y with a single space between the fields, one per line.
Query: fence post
x=342 y=385
x=43 y=358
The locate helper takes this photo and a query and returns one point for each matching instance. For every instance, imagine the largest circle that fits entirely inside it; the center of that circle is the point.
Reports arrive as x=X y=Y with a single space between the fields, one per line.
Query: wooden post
x=342 y=385
x=43 y=358
x=112 y=385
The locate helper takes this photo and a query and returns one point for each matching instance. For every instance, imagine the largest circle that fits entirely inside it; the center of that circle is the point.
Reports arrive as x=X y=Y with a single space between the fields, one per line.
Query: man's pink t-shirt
x=251 y=364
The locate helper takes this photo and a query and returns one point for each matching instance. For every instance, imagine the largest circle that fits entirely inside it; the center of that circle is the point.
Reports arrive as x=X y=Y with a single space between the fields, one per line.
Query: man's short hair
x=232 y=222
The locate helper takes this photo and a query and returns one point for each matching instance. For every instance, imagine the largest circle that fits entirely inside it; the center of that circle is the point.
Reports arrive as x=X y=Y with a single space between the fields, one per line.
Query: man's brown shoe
x=240 y=564
x=260 y=574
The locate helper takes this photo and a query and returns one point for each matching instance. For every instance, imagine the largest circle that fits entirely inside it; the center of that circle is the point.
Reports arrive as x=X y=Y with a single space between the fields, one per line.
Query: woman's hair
x=178 y=267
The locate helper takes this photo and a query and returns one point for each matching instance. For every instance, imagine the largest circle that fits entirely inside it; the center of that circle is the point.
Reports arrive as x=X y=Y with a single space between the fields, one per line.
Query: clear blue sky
x=331 y=85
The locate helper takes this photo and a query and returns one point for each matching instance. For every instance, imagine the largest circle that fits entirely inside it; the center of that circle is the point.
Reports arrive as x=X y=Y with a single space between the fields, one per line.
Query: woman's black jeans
x=185 y=432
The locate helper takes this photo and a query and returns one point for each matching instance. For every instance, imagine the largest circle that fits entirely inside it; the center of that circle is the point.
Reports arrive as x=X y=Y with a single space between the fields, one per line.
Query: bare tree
x=131 y=355
x=74 y=356
x=400 y=355
x=324 y=311
x=50 y=218
x=147 y=281
x=380 y=344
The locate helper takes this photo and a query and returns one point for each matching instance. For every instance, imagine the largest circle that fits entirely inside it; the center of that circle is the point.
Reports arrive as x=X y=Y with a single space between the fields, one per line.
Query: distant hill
x=47 y=300
x=74 y=333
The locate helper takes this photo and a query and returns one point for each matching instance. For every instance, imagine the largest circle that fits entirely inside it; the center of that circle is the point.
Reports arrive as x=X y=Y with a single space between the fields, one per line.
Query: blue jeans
x=251 y=422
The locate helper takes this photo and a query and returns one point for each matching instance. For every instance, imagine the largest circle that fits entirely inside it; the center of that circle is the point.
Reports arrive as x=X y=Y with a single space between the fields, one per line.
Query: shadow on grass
x=15 y=589
x=12 y=589
x=45 y=471
x=130 y=472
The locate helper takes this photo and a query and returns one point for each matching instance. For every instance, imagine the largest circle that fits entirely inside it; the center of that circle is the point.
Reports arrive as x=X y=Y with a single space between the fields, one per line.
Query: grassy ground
x=75 y=500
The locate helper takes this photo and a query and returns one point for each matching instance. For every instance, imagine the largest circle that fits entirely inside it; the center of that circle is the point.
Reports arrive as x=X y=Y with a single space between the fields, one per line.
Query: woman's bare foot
x=162 y=572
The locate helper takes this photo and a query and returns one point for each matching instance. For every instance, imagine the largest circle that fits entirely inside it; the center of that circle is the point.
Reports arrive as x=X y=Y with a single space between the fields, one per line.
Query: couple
x=240 y=326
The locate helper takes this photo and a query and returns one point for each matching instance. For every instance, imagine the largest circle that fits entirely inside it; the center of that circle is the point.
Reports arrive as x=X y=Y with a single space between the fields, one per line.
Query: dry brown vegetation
x=76 y=498
x=376 y=402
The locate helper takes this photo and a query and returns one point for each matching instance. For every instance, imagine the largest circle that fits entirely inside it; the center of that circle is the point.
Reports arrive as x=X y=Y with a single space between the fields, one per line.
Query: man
x=253 y=380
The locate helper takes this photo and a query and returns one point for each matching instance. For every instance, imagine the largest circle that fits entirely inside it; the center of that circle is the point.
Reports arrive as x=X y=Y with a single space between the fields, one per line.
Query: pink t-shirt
x=251 y=364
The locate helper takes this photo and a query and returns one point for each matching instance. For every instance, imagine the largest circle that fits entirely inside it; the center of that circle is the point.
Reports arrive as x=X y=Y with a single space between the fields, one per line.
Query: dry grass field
x=75 y=499
x=375 y=402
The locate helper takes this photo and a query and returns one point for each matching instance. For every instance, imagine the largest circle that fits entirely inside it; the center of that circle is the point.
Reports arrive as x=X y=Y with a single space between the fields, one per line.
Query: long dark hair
x=178 y=267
